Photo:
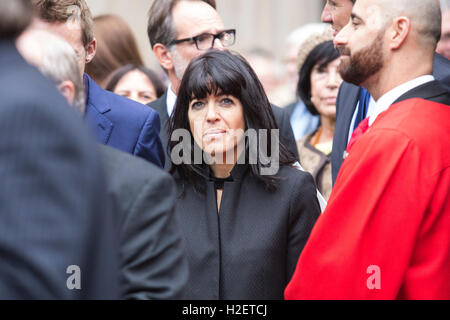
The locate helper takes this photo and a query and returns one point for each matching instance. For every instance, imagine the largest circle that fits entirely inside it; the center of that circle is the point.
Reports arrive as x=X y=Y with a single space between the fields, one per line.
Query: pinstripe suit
x=53 y=207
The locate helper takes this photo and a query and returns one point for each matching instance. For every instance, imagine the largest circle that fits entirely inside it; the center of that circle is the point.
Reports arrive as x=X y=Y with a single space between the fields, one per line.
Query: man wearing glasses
x=179 y=31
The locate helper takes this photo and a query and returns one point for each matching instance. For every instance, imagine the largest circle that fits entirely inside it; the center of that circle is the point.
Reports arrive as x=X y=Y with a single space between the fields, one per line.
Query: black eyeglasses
x=205 y=41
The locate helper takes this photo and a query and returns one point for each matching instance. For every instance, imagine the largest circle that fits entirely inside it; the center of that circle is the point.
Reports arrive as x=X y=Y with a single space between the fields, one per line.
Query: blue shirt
x=302 y=121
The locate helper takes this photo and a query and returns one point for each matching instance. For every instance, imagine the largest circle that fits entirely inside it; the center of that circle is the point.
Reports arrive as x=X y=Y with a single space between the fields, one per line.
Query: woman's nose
x=211 y=112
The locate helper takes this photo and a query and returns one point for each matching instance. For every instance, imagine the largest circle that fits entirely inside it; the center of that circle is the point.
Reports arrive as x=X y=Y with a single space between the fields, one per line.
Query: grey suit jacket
x=281 y=116
x=347 y=101
x=54 y=210
x=153 y=262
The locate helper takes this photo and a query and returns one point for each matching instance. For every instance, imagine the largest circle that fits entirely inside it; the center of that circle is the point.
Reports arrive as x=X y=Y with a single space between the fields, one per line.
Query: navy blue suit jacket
x=123 y=124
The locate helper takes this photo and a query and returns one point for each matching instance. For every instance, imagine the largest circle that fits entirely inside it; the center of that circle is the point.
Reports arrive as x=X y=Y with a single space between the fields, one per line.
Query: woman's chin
x=221 y=155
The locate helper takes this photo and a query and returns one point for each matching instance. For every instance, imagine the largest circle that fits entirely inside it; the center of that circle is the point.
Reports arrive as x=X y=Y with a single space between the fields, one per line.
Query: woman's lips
x=330 y=100
x=214 y=132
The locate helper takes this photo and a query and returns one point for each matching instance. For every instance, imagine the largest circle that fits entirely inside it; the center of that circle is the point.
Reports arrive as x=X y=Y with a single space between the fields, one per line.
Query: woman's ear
x=67 y=89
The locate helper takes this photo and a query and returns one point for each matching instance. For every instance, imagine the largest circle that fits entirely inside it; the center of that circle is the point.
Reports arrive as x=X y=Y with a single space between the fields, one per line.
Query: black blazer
x=281 y=116
x=347 y=101
x=290 y=108
x=432 y=91
x=153 y=262
x=250 y=249
x=53 y=206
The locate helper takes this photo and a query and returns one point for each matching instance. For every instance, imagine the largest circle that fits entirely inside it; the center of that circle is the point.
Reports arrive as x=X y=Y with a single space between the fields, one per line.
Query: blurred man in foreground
x=57 y=232
x=153 y=265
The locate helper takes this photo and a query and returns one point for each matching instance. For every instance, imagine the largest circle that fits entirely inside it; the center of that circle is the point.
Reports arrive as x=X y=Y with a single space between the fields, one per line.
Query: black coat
x=281 y=116
x=250 y=249
x=153 y=262
x=347 y=101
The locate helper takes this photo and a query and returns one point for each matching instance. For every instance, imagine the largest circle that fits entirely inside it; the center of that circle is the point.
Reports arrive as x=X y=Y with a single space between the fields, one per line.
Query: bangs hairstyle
x=321 y=56
x=217 y=73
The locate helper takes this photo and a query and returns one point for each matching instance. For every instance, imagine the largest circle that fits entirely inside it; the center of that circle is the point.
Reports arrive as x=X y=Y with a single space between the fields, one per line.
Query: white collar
x=391 y=96
x=171 y=100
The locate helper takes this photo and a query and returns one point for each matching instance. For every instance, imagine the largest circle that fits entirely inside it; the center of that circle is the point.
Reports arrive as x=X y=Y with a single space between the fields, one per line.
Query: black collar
x=429 y=91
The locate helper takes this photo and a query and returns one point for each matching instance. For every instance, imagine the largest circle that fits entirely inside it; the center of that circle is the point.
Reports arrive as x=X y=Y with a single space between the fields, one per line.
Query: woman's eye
x=321 y=70
x=226 y=101
x=197 y=105
x=355 y=24
x=124 y=94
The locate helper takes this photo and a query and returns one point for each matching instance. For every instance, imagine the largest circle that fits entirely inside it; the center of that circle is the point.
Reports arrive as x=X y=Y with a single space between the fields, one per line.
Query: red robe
x=386 y=231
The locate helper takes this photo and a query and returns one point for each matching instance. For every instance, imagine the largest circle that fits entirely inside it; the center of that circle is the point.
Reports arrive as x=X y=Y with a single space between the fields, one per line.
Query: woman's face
x=136 y=86
x=325 y=84
x=217 y=123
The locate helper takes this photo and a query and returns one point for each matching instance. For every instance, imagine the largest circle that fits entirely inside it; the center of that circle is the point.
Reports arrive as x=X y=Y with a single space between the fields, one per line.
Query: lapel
x=432 y=91
x=96 y=107
x=160 y=106
x=290 y=108
x=441 y=67
x=349 y=107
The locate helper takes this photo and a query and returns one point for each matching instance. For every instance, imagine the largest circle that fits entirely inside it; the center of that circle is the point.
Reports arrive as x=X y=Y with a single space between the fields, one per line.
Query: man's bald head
x=424 y=16
x=384 y=38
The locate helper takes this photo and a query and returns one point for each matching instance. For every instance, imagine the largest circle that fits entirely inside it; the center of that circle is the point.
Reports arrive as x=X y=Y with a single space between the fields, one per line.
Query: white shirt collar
x=171 y=100
x=391 y=96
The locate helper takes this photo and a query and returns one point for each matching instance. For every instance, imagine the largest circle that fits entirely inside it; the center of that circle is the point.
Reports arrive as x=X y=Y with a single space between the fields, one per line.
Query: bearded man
x=384 y=234
x=354 y=103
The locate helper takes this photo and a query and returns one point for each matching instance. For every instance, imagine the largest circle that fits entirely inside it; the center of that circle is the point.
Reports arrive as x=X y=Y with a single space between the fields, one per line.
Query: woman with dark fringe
x=244 y=210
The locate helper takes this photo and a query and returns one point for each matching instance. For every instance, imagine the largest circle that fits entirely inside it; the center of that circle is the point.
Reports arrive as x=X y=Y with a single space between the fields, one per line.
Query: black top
x=249 y=249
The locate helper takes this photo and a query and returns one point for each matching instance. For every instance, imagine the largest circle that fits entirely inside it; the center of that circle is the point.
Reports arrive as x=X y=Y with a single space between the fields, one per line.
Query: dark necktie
x=363 y=108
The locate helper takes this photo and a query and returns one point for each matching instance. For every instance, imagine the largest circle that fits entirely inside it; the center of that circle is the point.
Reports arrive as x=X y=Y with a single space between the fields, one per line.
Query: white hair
x=55 y=58
x=299 y=35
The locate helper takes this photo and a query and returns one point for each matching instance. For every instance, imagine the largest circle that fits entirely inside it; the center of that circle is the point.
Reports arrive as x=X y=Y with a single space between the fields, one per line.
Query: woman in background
x=244 y=228
x=116 y=47
x=137 y=83
x=318 y=87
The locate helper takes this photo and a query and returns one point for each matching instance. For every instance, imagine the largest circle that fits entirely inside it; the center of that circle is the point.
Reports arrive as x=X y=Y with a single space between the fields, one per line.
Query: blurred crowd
x=224 y=175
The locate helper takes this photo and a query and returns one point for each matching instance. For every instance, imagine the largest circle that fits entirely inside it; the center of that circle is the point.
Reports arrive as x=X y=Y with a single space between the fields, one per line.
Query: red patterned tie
x=359 y=131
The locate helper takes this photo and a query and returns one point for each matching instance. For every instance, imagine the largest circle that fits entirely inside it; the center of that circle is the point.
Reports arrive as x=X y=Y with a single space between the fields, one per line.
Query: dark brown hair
x=116 y=47
x=15 y=16
x=229 y=74
x=52 y=11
